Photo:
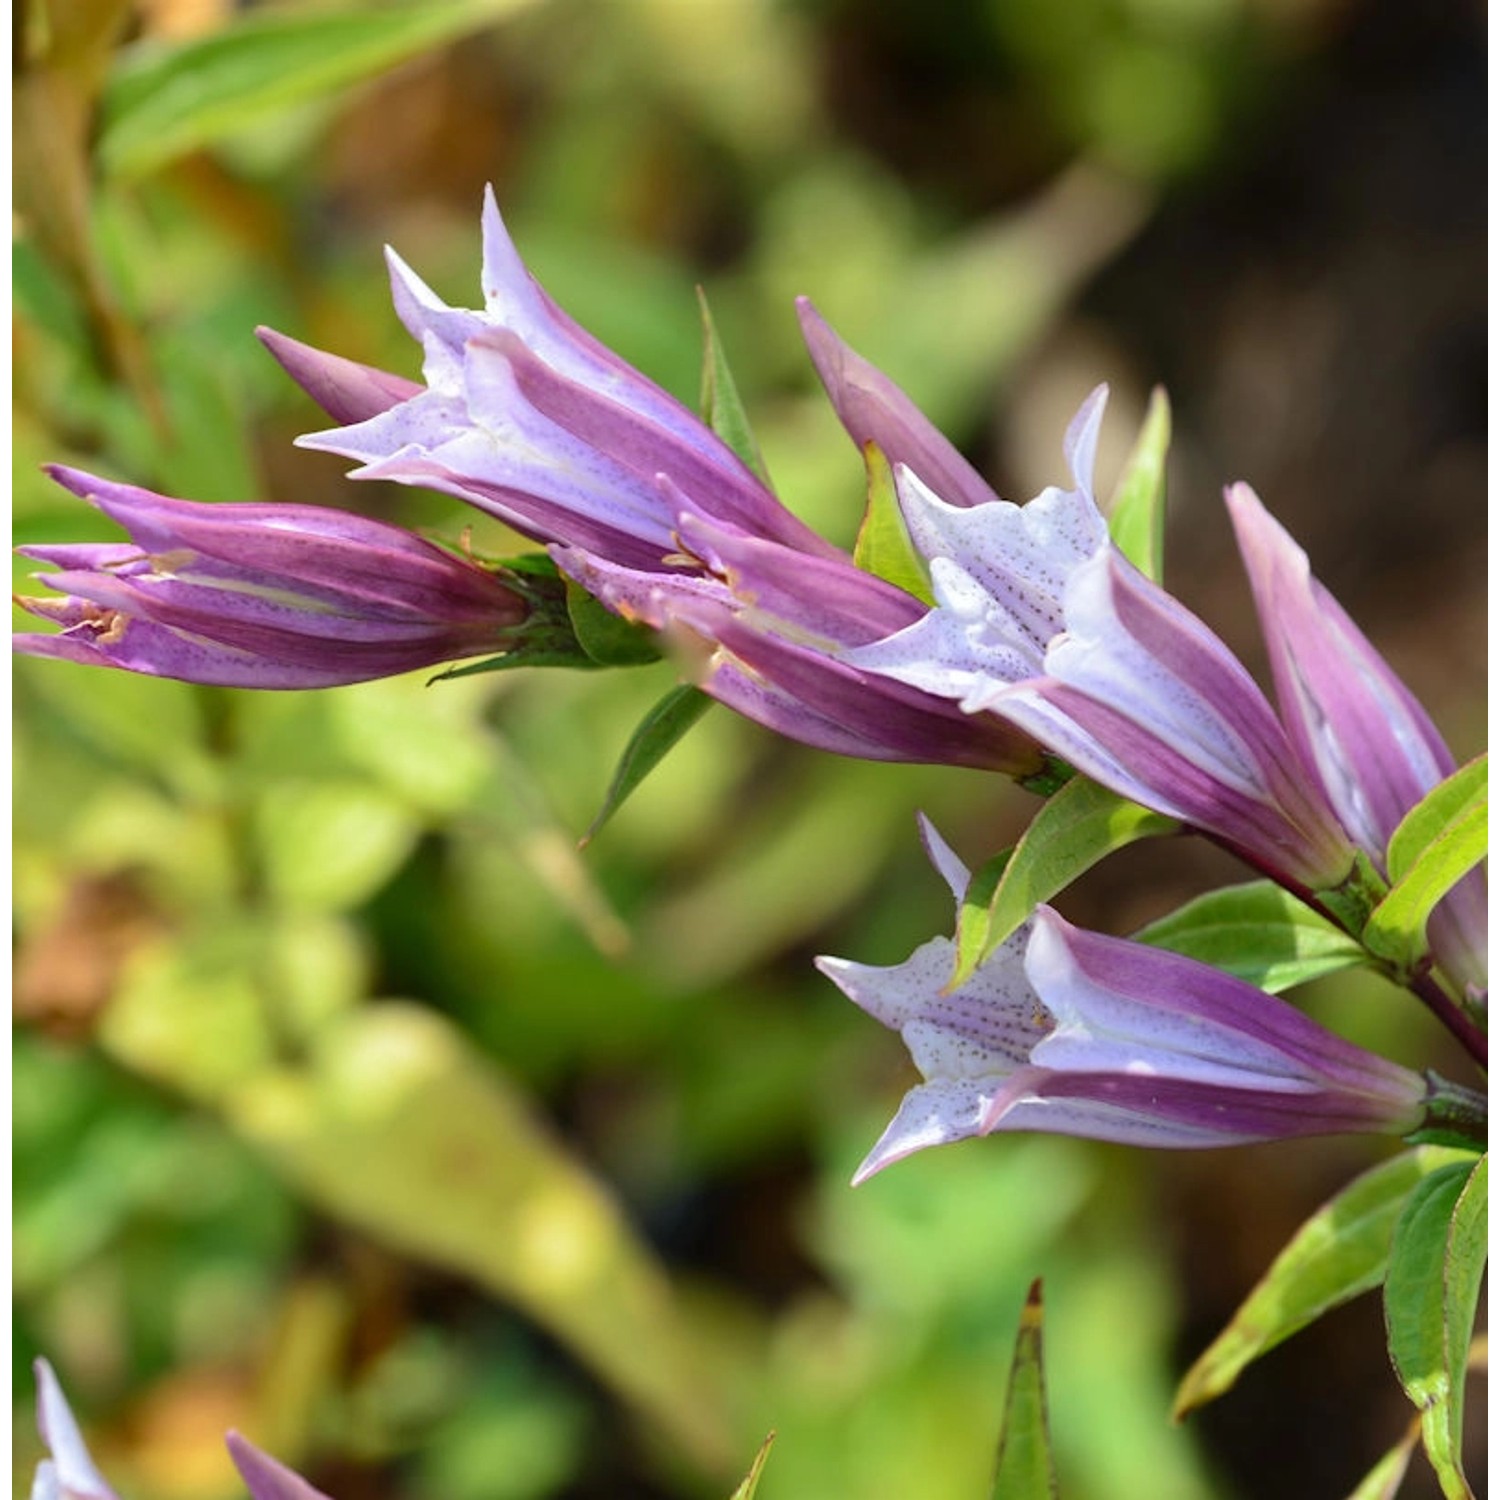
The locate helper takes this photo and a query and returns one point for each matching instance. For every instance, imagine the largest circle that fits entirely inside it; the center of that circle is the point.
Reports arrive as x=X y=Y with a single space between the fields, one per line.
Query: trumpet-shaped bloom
x=272 y=596
x=70 y=1473
x=1040 y=619
x=528 y=416
x=1357 y=727
x=1076 y=1033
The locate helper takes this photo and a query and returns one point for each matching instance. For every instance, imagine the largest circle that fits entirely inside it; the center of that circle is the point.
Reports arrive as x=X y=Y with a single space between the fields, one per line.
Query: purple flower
x=1076 y=1033
x=270 y=596
x=1040 y=619
x=1356 y=726
x=70 y=1474
x=528 y=416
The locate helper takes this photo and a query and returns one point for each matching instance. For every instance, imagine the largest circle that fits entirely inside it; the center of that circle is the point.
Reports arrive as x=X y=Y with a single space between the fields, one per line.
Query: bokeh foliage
x=355 y=1106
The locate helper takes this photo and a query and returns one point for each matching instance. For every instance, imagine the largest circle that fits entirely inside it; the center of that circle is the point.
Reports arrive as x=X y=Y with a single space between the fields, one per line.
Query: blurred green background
x=355 y=1107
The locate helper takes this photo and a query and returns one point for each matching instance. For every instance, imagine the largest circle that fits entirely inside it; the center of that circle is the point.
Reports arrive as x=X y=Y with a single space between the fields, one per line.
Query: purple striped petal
x=874 y=409
x=1140 y=695
x=798 y=689
x=528 y=416
x=1356 y=726
x=347 y=391
x=264 y=1477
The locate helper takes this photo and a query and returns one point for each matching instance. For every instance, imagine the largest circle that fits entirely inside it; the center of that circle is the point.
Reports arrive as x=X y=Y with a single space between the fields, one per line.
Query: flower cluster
x=1036 y=649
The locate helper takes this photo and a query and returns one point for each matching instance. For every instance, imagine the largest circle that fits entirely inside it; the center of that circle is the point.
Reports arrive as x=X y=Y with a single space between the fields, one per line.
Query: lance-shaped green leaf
x=883 y=546
x=751 y=1482
x=1071 y=833
x=719 y=398
x=1259 y=933
x=165 y=102
x=1024 y=1469
x=1137 y=511
x=1436 y=844
x=1450 y=801
x=654 y=736
x=1341 y=1251
x=1431 y=1293
x=1384 y=1480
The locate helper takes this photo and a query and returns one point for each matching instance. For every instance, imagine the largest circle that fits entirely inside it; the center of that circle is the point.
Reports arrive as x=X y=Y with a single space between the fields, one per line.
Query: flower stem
x=1475 y=1040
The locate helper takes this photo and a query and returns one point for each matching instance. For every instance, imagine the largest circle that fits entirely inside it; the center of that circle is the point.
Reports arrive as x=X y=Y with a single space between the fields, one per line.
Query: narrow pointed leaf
x=719 y=399
x=1430 y=1297
x=1397 y=928
x=1383 y=1482
x=654 y=736
x=164 y=102
x=751 y=1482
x=1259 y=933
x=1448 y=802
x=1463 y=1274
x=1341 y=1251
x=883 y=546
x=1024 y=1469
x=1138 y=509
x=974 y=913
x=1071 y=833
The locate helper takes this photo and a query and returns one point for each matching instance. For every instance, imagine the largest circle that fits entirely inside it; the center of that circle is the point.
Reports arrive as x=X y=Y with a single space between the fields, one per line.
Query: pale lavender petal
x=931 y=1114
x=875 y=410
x=961 y=649
x=70 y=1474
x=999 y=574
x=953 y=870
x=347 y=391
x=983 y=1028
x=264 y=1477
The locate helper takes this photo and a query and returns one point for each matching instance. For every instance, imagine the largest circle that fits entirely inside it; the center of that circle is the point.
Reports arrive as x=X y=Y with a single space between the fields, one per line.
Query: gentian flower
x=1040 y=619
x=1356 y=726
x=1076 y=1033
x=528 y=416
x=269 y=596
x=70 y=1473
